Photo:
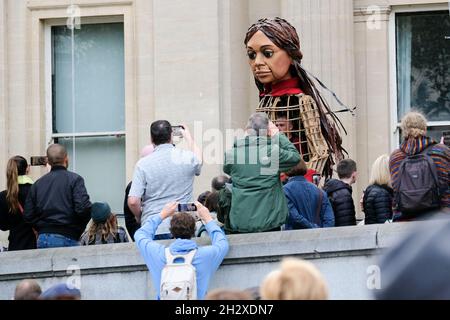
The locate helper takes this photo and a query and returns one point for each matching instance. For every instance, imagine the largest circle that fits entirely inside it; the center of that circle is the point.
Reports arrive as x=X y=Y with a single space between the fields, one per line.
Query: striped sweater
x=440 y=154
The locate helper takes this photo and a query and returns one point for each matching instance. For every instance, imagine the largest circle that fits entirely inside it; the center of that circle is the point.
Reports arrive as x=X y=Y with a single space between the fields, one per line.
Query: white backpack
x=179 y=280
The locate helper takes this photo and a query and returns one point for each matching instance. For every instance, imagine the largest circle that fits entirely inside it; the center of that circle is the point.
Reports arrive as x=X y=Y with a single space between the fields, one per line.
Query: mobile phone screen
x=176 y=131
x=187 y=207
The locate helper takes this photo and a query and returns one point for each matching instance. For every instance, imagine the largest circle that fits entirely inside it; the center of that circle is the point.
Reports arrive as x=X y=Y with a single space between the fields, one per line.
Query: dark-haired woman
x=287 y=92
x=12 y=201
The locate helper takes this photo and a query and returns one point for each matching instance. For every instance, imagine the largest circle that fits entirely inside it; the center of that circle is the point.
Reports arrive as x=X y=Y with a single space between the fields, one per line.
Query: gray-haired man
x=254 y=164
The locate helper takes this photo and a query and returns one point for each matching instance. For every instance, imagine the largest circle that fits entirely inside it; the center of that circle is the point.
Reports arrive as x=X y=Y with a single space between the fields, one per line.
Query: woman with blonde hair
x=12 y=202
x=295 y=280
x=377 y=199
x=103 y=228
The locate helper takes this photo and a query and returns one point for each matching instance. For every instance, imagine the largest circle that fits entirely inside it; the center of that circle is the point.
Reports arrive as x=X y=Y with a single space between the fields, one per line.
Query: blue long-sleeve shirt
x=303 y=198
x=206 y=260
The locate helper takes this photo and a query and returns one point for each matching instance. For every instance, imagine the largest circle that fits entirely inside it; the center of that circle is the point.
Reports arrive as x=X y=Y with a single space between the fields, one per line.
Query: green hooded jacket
x=254 y=163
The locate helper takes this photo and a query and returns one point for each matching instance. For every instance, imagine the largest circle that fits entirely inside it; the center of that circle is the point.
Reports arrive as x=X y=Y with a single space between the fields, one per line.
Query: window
x=88 y=113
x=422 y=67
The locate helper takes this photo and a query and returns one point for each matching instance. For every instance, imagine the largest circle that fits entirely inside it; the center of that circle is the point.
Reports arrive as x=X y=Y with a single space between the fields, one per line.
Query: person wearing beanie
x=103 y=228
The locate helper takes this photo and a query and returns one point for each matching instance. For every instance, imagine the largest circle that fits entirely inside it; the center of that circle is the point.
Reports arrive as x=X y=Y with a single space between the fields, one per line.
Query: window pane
x=435 y=133
x=423 y=64
x=98 y=76
x=101 y=162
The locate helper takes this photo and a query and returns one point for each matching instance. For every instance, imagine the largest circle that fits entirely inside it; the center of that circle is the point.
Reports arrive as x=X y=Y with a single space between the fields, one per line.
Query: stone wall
x=117 y=271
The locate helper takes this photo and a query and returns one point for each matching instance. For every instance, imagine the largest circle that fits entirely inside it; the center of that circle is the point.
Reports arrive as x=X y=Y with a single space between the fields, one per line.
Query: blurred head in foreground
x=296 y=279
x=418 y=267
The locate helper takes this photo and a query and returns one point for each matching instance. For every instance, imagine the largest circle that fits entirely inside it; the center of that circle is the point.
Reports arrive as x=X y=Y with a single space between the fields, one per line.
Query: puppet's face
x=269 y=63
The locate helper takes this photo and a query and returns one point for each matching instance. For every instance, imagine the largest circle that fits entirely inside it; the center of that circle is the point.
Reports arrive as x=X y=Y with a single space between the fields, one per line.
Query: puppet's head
x=283 y=45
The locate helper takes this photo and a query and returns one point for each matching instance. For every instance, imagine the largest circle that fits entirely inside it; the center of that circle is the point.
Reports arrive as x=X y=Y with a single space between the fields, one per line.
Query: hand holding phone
x=177 y=131
x=38 y=161
x=187 y=207
x=168 y=210
x=203 y=213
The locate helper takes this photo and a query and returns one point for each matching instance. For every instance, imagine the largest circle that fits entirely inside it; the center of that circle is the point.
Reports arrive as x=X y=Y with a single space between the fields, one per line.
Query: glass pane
x=98 y=78
x=423 y=64
x=101 y=162
x=435 y=133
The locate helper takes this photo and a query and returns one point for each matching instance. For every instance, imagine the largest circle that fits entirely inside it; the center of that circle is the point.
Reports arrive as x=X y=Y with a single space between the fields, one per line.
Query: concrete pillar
x=186 y=73
x=234 y=70
x=19 y=129
x=3 y=106
x=371 y=30
x=263 y=8
x=144 y=46
x=325 y=28
x=3 y=93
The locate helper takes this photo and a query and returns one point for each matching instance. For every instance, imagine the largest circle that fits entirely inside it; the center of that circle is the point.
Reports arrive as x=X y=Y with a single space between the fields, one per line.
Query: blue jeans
x=54 y=240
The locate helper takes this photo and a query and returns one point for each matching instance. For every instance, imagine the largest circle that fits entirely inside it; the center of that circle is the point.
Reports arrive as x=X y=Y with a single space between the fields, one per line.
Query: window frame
x=48 y=90
x=49 y=135
x=395 y=122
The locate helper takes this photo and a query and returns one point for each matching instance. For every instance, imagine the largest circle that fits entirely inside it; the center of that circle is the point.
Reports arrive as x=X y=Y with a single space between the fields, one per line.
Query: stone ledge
x=57 y=4
x=244 y=249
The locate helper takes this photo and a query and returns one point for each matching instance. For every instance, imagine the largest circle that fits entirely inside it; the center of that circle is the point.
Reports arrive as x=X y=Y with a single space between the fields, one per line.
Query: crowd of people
x=272 y=183
x=54 y=211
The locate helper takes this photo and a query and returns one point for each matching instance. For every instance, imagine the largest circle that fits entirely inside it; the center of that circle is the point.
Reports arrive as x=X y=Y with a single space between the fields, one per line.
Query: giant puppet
x=288 y=94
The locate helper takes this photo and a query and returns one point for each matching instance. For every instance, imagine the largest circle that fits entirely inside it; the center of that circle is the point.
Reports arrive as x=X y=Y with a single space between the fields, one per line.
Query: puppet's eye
x=268 y=53
x=251 y=55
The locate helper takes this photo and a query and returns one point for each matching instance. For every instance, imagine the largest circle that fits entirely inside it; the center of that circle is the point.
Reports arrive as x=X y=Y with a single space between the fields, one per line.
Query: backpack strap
x=431 y=164
x=187 y=257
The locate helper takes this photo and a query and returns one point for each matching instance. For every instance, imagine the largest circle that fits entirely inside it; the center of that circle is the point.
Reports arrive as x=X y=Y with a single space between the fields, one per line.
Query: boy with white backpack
x=181 y=271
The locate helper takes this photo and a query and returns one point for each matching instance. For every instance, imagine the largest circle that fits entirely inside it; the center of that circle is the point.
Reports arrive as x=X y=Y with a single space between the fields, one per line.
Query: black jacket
x=340 y=195
x=58 y=203
x=377 y=204
x=130 y=221
x=21 y=235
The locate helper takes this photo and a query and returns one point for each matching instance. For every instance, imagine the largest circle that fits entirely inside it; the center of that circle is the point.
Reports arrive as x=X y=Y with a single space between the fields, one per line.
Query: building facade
x=93 y=75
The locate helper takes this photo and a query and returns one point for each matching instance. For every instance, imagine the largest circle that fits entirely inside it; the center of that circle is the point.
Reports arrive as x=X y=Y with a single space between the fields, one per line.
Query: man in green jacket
x=254 y=163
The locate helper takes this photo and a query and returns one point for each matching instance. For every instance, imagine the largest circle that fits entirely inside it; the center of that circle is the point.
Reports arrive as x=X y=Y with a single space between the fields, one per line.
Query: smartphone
x=186 y=207
x=316 y=179
x=38 y=161
x=176 y=131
